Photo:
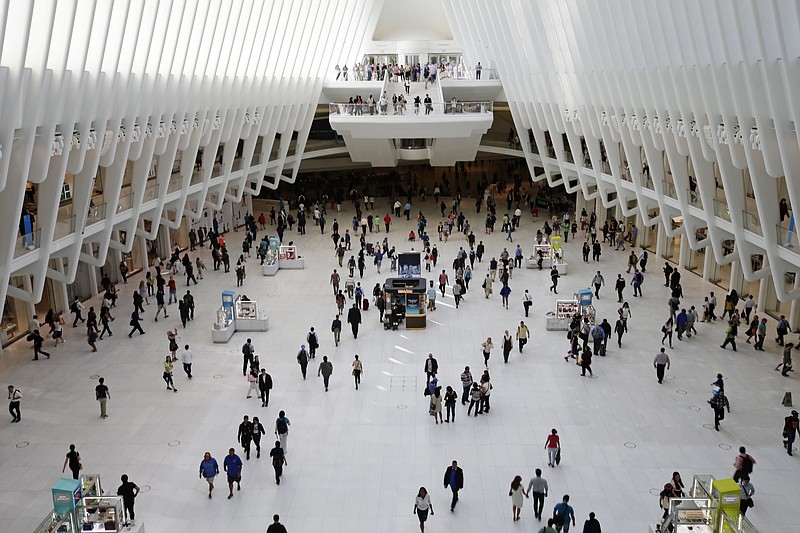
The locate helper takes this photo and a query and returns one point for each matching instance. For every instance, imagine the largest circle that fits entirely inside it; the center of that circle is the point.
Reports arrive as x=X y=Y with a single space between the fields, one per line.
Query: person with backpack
x=783 y=329
x=619 y=286
x=562 y=514
x=719 y=402
x=313 y=343
x=638 y=279
x=302 y=359
x=282 y=430
x=76 y=308
x=743 y=464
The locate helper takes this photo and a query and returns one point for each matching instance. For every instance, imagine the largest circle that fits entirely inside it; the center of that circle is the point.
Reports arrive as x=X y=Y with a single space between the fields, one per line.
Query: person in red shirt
x=553 y=445
x=386 y=221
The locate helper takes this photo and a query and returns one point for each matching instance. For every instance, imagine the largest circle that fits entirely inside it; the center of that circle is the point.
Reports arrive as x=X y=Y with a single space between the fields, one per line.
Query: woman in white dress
x=517 y=492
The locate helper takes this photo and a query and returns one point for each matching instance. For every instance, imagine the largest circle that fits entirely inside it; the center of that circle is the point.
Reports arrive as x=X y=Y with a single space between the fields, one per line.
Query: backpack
x=747 y=464
x=282 y=426
x=246 y=349
x=74 y=307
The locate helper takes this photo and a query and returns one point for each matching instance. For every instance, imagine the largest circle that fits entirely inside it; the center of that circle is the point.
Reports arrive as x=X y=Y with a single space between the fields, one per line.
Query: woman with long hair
x=422 y=505
x=517 y=492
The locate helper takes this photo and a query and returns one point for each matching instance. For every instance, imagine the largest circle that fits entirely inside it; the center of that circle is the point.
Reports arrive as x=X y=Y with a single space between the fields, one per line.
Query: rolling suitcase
x=365 y=304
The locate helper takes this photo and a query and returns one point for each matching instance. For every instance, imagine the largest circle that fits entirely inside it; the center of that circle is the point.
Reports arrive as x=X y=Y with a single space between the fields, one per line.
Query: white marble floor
x=357 y=458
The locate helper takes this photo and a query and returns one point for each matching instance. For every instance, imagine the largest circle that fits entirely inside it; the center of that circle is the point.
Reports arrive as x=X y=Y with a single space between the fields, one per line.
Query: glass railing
x=751 y=222
x=125 y=202
x=693 y=198
x=624 y=173
x=353 y=74
x=197 y=176
x=567 y=157
x=459 y=72
x=64 y=227
x=410 y=109
x=668 y=189
x=786 y=237
x=175 y=183
x=97 y=213
x=151 y=192
x=647 y=182
x=721 y=210
x=27 y=243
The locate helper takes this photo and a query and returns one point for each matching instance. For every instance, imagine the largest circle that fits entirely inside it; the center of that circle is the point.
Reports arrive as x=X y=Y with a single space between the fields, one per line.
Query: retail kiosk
x=587 y=310
x=565 y=310
x=238 y=313
x=289 y=259
x=405 y=299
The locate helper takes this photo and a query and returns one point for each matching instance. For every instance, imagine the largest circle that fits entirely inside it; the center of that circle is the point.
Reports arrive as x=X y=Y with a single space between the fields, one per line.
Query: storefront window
x=15 y=316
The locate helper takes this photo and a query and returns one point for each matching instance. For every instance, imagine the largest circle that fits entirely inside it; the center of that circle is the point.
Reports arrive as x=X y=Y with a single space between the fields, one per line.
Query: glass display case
x=56 y=523
x=246 y=310
x=224 y=318
x=90 y=485
x=103 y=514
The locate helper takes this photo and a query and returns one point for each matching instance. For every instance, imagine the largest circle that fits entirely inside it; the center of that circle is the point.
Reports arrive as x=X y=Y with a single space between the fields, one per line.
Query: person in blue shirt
x=454 y=479
x=562 y=514
x=680 y=322
x=233 y=467
x=209 y=469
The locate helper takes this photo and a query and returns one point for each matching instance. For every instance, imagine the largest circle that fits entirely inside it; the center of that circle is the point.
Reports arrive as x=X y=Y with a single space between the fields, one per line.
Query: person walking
x=667 y=329
x=325 y=369
x=302 y=360
x=431 y=367
x=730 y=335
x=660 y=363
x=508 y=345
x=264 y=386
x=135 y=324
x=14 y=398
x=592 y=525
x=619 y=329
x=73 y=459
x=586 y=361
x=474 y=399
x=102 y=395
x=422 y=504
x=537 y=489
x=276 y=526
x=554 y=275
x=516 y=492
x=746 y=498
x=282 y=430
x=278 y=455
x=527 y=301
x=245 y=435
x=168 y=374
x=619 y=286
x=786 y=361
x=187 y=357
x=563 y=513
x=247 y=356
x=487 y=351
x=358 y=369
x=454 y=480
x=598 y=281
x=38 y=342
x=719 y=402
x=553 y=447
x=258 y=430
x=549 y=528
x=791 y=428
x=522 y=335
x=128 y=490
x=233 y=467
x=336 y=329
x=450 y=399
x=743 y=464
x=209 y=469
x=354 y=319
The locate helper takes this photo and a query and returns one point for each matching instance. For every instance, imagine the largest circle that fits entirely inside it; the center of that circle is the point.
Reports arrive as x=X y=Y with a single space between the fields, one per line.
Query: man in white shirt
x=187 y=357
x=537 y=488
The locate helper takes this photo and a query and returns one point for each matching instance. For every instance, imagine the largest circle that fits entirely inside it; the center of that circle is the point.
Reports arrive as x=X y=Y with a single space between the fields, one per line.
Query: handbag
x=558 y=457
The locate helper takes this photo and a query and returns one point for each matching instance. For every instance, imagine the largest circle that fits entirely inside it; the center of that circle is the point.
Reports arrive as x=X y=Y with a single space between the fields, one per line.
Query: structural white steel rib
x=138 y=79
x=663 y=80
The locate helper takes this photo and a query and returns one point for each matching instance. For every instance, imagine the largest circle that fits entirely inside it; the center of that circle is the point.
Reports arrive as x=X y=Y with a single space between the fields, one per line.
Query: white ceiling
x=412 y=20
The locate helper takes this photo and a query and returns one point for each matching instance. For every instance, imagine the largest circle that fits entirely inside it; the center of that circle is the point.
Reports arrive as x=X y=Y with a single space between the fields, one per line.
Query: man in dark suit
x=264 y=386
x=454 y=478
x=354 y=319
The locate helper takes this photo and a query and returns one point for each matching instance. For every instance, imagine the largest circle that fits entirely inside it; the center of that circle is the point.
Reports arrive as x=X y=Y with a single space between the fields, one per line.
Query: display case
x=248 y=317
x=59 y=523
x=288 y=258
x=565 y=310
x=90 y=485
x=405 y=300
x=103 y=514
x=545 y=251
x=224 y=326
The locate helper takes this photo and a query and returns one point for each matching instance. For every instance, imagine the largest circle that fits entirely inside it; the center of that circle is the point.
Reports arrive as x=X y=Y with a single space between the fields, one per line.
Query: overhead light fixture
x=215 y=124
x=680 y=128
x=121 y=134
x=76 y=140
x=184 y=127
x=173 y=127
x=1 y=151
x=707 y=135
x=161 y=132
x=247 y=118
x=148 y=130
x=693 y=129
x=604 y=119
x=58 y=145
x=635 y=123
x=136 y=133
x=657 y=127
x=737 y=134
